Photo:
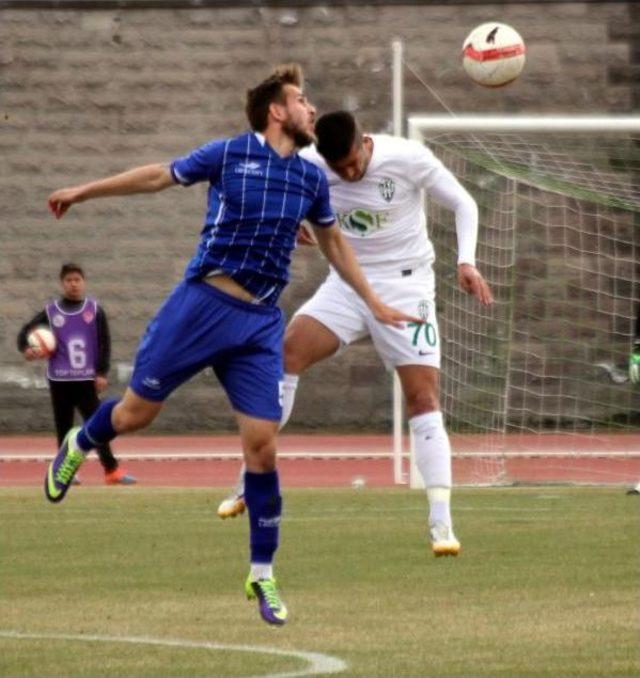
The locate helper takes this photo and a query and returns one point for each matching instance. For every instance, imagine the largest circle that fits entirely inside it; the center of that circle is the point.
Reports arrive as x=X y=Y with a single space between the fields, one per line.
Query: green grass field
x=547 y=584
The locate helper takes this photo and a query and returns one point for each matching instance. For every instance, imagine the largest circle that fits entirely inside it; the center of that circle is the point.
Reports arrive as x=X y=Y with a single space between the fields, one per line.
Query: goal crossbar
x=471 y=123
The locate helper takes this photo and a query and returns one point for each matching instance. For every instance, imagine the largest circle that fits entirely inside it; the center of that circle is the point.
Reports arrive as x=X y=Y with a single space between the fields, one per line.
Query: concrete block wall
x=87 y=93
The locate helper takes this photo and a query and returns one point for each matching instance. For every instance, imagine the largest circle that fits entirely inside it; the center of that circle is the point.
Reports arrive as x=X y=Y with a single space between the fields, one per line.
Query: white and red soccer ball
x=493 y=54
x=42 y=340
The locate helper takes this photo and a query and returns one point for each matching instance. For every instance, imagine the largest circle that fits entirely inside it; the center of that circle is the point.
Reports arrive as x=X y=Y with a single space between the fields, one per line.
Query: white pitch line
x=317 y=663
x=213 y=456
x=344 y=455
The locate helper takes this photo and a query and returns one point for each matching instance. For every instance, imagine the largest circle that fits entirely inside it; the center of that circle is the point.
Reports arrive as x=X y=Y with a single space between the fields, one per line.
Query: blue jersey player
x=224 y=313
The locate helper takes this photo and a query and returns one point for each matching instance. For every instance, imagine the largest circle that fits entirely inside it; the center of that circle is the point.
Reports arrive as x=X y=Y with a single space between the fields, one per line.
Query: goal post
x=542 y=371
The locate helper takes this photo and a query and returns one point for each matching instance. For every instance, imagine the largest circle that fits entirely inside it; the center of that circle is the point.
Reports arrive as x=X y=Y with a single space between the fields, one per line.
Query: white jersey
x=382 y=215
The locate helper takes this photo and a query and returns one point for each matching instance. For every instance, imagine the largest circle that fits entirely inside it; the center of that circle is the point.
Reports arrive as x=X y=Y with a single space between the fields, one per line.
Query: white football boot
x=443 y=541
x=233 y=505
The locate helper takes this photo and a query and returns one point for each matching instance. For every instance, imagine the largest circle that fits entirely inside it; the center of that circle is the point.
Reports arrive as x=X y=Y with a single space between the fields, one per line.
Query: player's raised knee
x=261 y=454
x=422 y=402
x=295 y=360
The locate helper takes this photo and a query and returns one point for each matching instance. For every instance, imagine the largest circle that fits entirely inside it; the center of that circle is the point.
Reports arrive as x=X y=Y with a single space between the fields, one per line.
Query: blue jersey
x=256 y=201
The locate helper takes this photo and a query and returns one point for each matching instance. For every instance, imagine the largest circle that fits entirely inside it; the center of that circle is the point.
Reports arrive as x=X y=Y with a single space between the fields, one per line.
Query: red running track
x=613 y=459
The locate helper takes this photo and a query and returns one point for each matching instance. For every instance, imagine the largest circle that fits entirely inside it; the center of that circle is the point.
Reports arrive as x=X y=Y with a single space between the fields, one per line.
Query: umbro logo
x=252 y=168
x=152 y=383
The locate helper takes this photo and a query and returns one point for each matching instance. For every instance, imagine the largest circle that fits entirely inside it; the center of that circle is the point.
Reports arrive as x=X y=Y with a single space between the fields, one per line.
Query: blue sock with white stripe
x=263 y=500
x=98 y=429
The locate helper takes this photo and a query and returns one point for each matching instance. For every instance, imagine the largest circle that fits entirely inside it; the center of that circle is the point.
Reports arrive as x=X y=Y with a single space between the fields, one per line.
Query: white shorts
x=342 y=311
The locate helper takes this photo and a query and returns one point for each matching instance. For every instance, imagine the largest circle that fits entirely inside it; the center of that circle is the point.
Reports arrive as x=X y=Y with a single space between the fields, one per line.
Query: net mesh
x=559 y=244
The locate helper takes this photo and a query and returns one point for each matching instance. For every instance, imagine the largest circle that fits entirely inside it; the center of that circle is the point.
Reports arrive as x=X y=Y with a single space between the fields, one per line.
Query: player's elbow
x=159 y=177
x=466 y=209
x=467 y=203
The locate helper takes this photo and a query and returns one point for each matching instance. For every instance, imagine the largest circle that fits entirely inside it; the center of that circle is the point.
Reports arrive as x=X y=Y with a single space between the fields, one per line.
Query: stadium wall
x=88 y=92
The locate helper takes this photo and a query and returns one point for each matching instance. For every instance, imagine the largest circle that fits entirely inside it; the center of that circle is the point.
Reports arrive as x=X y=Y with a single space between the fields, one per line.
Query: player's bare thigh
x=306 y=342
x=421 y=388
x=134 y=412
x=258 y=438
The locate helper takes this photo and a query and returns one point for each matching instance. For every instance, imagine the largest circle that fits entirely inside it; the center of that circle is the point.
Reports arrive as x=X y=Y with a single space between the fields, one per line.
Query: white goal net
x=543 y=372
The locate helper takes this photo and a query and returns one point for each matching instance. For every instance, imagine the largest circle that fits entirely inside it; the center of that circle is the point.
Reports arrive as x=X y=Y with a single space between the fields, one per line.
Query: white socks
x=261 y=571
x=289 y=386
x=439 y=505
x=433 y=458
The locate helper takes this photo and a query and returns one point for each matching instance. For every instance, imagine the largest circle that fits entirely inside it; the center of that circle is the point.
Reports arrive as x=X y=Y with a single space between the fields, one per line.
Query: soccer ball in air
x=43 y=340
x=493 y=54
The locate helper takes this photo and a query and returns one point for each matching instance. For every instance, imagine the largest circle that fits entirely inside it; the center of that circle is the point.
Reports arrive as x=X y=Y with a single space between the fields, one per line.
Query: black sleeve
x=38 y=319
x=104 y=343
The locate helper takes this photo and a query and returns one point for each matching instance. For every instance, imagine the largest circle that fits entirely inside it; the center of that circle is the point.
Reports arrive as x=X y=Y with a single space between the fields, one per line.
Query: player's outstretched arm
x=145 y=179
x=340 y=255
x=471 y=281
x=448 y=191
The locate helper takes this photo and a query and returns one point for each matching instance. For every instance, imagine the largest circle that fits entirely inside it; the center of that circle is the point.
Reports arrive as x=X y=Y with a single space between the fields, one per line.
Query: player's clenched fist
x=61 y=200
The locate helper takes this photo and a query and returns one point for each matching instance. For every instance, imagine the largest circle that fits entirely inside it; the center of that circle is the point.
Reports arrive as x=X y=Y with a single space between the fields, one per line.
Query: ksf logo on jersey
x=387 y=189
x=58 y=320
x=88 y=317
x=361 y=222
x=251 y=168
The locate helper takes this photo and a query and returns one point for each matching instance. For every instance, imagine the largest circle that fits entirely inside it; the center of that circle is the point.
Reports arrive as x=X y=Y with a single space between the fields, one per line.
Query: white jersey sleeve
x=449 y=192
x=442 y=186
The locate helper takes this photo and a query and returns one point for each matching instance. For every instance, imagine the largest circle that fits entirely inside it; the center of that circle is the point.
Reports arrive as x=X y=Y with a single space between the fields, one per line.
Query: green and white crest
x=423 y=309
x=387 y=189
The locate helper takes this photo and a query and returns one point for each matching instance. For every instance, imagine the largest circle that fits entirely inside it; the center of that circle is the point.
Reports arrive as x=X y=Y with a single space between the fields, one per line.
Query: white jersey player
x=376 y=184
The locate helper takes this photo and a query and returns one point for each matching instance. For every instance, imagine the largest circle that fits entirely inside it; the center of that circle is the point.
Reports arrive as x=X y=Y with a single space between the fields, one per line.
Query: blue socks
x=262 y=497
x=98 y=429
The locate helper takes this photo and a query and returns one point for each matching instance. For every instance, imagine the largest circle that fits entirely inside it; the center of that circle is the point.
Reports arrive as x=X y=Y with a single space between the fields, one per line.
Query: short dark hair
x=70 y=267
x=336 y=133
x=269 y=91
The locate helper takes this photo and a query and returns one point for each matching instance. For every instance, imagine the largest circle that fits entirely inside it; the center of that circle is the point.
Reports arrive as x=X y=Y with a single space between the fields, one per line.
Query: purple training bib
x=76 y=342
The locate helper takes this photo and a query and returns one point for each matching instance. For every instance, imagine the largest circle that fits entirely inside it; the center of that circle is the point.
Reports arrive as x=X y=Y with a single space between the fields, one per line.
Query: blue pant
x=199 y=326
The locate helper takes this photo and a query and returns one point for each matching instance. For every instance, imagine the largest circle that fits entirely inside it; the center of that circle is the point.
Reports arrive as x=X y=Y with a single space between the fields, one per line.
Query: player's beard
x=301 y=138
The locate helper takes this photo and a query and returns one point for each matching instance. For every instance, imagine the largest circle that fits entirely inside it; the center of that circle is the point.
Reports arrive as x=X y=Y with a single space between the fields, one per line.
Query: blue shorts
x=199 y=326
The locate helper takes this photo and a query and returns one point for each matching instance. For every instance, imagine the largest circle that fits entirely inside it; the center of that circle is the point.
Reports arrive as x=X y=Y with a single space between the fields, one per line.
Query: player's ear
x=277 y=111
